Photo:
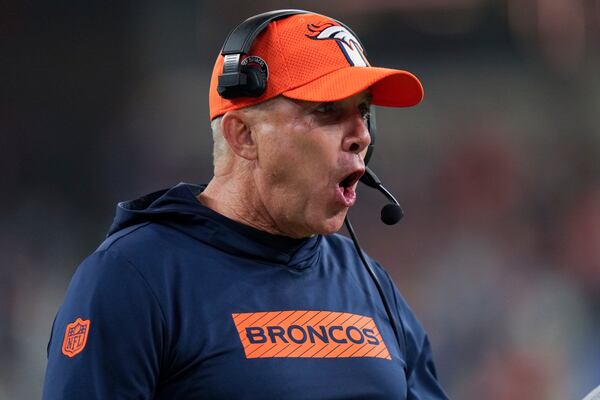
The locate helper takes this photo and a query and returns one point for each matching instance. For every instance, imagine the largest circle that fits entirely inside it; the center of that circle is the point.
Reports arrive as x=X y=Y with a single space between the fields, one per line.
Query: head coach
x=240 y=289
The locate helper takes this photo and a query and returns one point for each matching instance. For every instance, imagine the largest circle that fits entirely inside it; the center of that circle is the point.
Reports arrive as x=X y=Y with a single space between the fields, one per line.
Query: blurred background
x=498 y=169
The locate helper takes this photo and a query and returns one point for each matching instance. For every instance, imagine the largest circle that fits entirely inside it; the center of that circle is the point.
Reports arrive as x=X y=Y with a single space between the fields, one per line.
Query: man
x=240 y=288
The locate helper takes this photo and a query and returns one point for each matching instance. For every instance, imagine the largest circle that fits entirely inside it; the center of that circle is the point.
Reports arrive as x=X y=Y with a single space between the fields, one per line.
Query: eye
x=325 y=108
x=328 y=112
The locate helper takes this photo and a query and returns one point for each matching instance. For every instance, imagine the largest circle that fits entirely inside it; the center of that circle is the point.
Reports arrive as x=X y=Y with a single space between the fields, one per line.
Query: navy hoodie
x=180 y=302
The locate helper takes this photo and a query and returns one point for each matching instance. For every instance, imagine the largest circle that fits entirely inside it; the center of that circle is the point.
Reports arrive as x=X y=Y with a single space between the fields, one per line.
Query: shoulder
x=102 y=275
x=150 y=245
x=133 y=257
x=140 y=237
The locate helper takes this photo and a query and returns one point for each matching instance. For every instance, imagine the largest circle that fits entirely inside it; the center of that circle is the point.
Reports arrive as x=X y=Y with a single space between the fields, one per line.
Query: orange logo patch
x=76 y=336
x=309 y=334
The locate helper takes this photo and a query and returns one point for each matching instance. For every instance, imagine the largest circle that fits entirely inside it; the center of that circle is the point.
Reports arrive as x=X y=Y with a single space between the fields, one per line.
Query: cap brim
x=389 y=87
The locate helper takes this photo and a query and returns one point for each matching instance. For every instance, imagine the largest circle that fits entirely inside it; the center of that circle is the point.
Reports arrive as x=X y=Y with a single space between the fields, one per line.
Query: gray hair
x=220 y=145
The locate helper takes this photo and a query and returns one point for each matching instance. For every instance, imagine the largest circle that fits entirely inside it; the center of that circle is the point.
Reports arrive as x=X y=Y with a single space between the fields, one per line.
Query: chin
x=331 y=225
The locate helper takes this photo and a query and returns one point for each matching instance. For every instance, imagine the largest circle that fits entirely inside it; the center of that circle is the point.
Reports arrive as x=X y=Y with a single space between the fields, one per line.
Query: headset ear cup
x=256 y=82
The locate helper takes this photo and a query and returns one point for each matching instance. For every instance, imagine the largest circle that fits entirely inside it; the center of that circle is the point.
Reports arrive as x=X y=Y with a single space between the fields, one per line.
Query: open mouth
x=347 y=188
x=350 y=180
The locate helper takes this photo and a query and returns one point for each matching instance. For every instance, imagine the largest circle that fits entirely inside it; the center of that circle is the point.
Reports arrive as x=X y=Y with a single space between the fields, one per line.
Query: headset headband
x=240 y=39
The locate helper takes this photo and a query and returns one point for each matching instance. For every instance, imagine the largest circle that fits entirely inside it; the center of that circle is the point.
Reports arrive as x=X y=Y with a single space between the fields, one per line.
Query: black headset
x=250 y=80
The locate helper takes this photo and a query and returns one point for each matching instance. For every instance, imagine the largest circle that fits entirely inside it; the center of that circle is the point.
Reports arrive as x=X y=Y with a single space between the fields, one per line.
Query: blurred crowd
x=498 y=170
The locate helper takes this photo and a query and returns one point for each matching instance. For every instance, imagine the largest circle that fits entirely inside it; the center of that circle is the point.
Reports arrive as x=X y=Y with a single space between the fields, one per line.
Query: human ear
x=237 y=132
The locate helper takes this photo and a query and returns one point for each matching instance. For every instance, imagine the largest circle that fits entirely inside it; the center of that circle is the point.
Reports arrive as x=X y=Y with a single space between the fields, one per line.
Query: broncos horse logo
x=347 y=42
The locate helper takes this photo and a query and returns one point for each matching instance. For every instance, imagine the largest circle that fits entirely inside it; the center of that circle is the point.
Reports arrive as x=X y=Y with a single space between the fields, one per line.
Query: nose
x=357 y=138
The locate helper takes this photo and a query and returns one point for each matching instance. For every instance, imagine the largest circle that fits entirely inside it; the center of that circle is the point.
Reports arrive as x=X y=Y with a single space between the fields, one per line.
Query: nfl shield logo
x=76 y=336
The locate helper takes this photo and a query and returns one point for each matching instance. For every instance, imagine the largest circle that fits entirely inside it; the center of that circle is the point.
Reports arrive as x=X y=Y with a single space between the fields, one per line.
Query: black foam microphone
x=390 y=213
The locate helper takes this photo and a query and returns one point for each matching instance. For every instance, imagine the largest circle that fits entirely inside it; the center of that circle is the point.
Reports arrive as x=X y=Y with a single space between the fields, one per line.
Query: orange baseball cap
x=312 y=57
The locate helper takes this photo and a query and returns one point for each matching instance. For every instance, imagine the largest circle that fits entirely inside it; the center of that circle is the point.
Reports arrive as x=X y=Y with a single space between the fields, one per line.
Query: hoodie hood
x=179 y=208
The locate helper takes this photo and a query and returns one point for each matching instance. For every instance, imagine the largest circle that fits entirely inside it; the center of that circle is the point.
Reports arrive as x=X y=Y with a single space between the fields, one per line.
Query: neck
x=235 y=197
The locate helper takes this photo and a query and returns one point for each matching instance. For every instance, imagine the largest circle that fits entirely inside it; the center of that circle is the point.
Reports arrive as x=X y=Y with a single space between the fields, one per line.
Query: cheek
x=299 y=158
x=312 y=164
x=282 y=163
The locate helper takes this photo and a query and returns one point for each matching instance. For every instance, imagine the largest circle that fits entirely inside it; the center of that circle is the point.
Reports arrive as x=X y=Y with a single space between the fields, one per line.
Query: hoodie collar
x=179 y=208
